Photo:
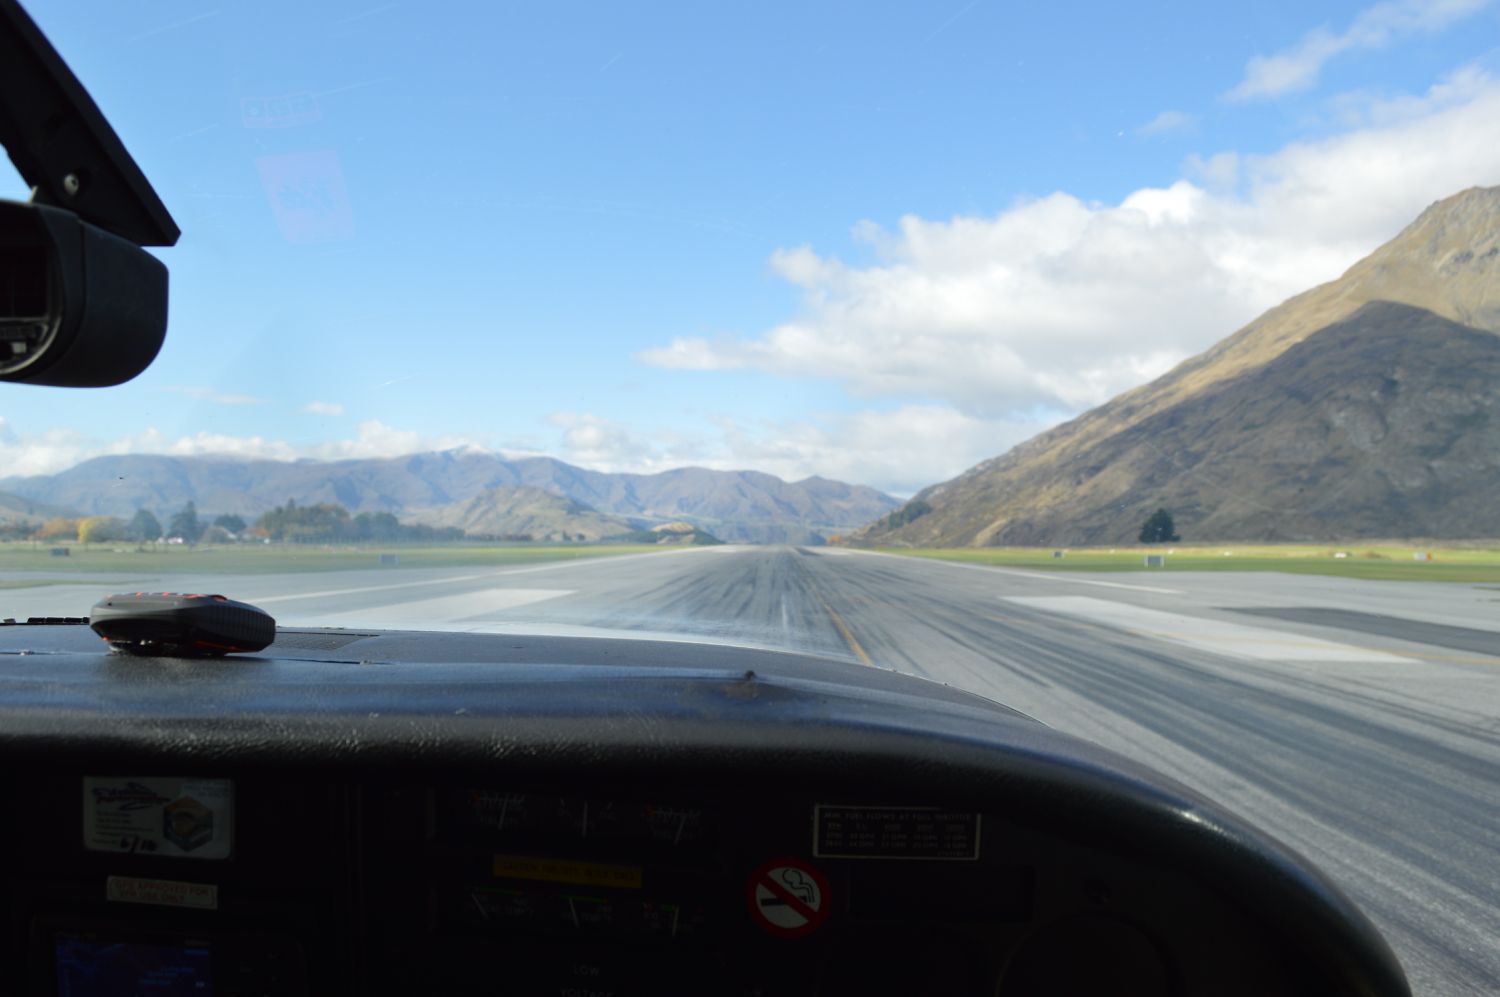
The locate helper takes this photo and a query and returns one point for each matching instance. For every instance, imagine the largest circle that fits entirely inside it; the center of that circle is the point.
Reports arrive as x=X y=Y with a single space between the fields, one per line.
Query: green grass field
x=1477 y=562
x=1474 y=562
x=106 y=558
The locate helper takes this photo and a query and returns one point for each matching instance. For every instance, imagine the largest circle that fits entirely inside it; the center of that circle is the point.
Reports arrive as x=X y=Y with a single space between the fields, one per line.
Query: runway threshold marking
x=1052 y=576
x=1059 y=576
x=571 y=562
x=448 y=608
x=1214 y=636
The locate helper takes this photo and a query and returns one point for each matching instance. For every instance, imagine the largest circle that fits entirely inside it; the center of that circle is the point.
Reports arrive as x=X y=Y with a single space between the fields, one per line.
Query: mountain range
x=1368 y=406
x=16 y=509
x=742 y=506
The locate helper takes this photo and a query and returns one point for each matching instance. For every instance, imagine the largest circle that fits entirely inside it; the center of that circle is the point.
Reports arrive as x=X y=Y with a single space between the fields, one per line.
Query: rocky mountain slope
x=524 y=511
x=745 y=506
x=678 y=534
x=1358 y=408
x=15 y=509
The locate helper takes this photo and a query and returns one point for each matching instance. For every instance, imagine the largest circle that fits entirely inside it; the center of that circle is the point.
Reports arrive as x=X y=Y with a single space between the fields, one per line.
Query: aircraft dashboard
x=405 y=813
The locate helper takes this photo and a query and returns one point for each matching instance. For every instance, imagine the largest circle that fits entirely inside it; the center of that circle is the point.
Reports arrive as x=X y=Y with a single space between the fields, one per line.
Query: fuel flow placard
x=871 y=832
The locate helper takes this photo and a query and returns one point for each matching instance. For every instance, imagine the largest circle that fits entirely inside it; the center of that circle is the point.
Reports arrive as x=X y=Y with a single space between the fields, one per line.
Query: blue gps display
x=89 y=967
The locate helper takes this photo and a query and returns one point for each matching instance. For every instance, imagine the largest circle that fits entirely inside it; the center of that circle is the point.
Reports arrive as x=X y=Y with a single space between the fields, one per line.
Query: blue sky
x=876 y=241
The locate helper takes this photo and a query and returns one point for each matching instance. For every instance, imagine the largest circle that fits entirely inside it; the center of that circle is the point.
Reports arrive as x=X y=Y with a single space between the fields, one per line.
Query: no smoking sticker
x=788 y=897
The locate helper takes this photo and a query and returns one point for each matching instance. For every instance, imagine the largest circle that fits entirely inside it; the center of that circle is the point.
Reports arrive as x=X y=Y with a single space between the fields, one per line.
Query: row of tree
x=321 y=523
x=326 y=522
x=143 y=527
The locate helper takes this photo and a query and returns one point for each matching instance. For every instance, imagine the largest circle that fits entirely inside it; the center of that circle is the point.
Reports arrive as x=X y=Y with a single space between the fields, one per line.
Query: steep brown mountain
x=1364 y=407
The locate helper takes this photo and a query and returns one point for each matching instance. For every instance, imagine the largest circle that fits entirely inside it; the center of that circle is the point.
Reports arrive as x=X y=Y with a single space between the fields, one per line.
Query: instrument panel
x=279 y=886
x=397 y=813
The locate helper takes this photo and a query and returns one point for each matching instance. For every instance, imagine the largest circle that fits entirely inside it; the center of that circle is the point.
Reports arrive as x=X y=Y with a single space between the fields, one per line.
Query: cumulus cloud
x=1166 y=121
x=54 y=450
x=1057 y=304
x=898 y=450
x=602 y=443
x=23 y=454
x=1362 y=109
x=1296 y=68
x=323 y=408
x=372 y=439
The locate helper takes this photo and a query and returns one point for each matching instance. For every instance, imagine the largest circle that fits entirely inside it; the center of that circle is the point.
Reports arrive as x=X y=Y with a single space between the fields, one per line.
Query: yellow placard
x=621 y=877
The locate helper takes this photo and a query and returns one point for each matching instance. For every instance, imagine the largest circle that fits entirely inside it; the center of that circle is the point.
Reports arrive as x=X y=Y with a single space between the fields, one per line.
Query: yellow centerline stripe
x=846 y=633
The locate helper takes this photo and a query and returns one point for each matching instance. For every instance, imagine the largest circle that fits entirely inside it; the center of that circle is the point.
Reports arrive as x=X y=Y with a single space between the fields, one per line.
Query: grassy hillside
x=103 y=559
x=1478 y=562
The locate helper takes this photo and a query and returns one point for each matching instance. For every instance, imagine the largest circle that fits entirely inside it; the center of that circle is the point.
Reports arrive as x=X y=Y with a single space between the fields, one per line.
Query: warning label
x=147 y=815
x=625 y=877
x=850 y=832
x=788 y=897
x=162 y=892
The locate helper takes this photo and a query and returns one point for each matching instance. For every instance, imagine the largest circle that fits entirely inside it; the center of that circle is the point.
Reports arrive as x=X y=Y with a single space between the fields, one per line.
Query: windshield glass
x=1136 y=368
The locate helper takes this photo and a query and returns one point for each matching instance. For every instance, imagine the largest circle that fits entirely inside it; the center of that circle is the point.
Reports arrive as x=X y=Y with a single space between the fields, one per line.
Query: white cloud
x=1361 y=109
x=48 y=452
x=1166 y=121
x=1057 y=304
x=213 y=395
x=899 y=451
x=1218 y=172
x=1296 y=68
x=372 y=439
x=323 y=408
x=24 y=454
x=601 y=443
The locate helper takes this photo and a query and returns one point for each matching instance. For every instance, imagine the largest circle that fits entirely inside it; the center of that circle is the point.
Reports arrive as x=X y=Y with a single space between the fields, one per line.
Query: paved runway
x=1357 y=721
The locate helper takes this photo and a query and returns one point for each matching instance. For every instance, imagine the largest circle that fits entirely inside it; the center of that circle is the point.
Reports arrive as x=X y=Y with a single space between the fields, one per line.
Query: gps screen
x=89 y=967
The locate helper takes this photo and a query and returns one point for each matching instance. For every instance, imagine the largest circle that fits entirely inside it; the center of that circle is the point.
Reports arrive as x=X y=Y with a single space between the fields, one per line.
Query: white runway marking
x=1215 y=636
x=374 y=588
x=1063 y=577
x=499 y=573
x=444 y=609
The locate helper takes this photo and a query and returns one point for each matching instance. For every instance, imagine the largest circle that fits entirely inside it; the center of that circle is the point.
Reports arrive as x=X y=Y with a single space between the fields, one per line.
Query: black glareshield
x=81 y=303
x=79 y=307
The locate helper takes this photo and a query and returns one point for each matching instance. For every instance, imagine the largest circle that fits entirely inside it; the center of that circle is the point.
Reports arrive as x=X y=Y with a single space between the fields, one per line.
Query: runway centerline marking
x=1203 y=633
x=846 y=633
